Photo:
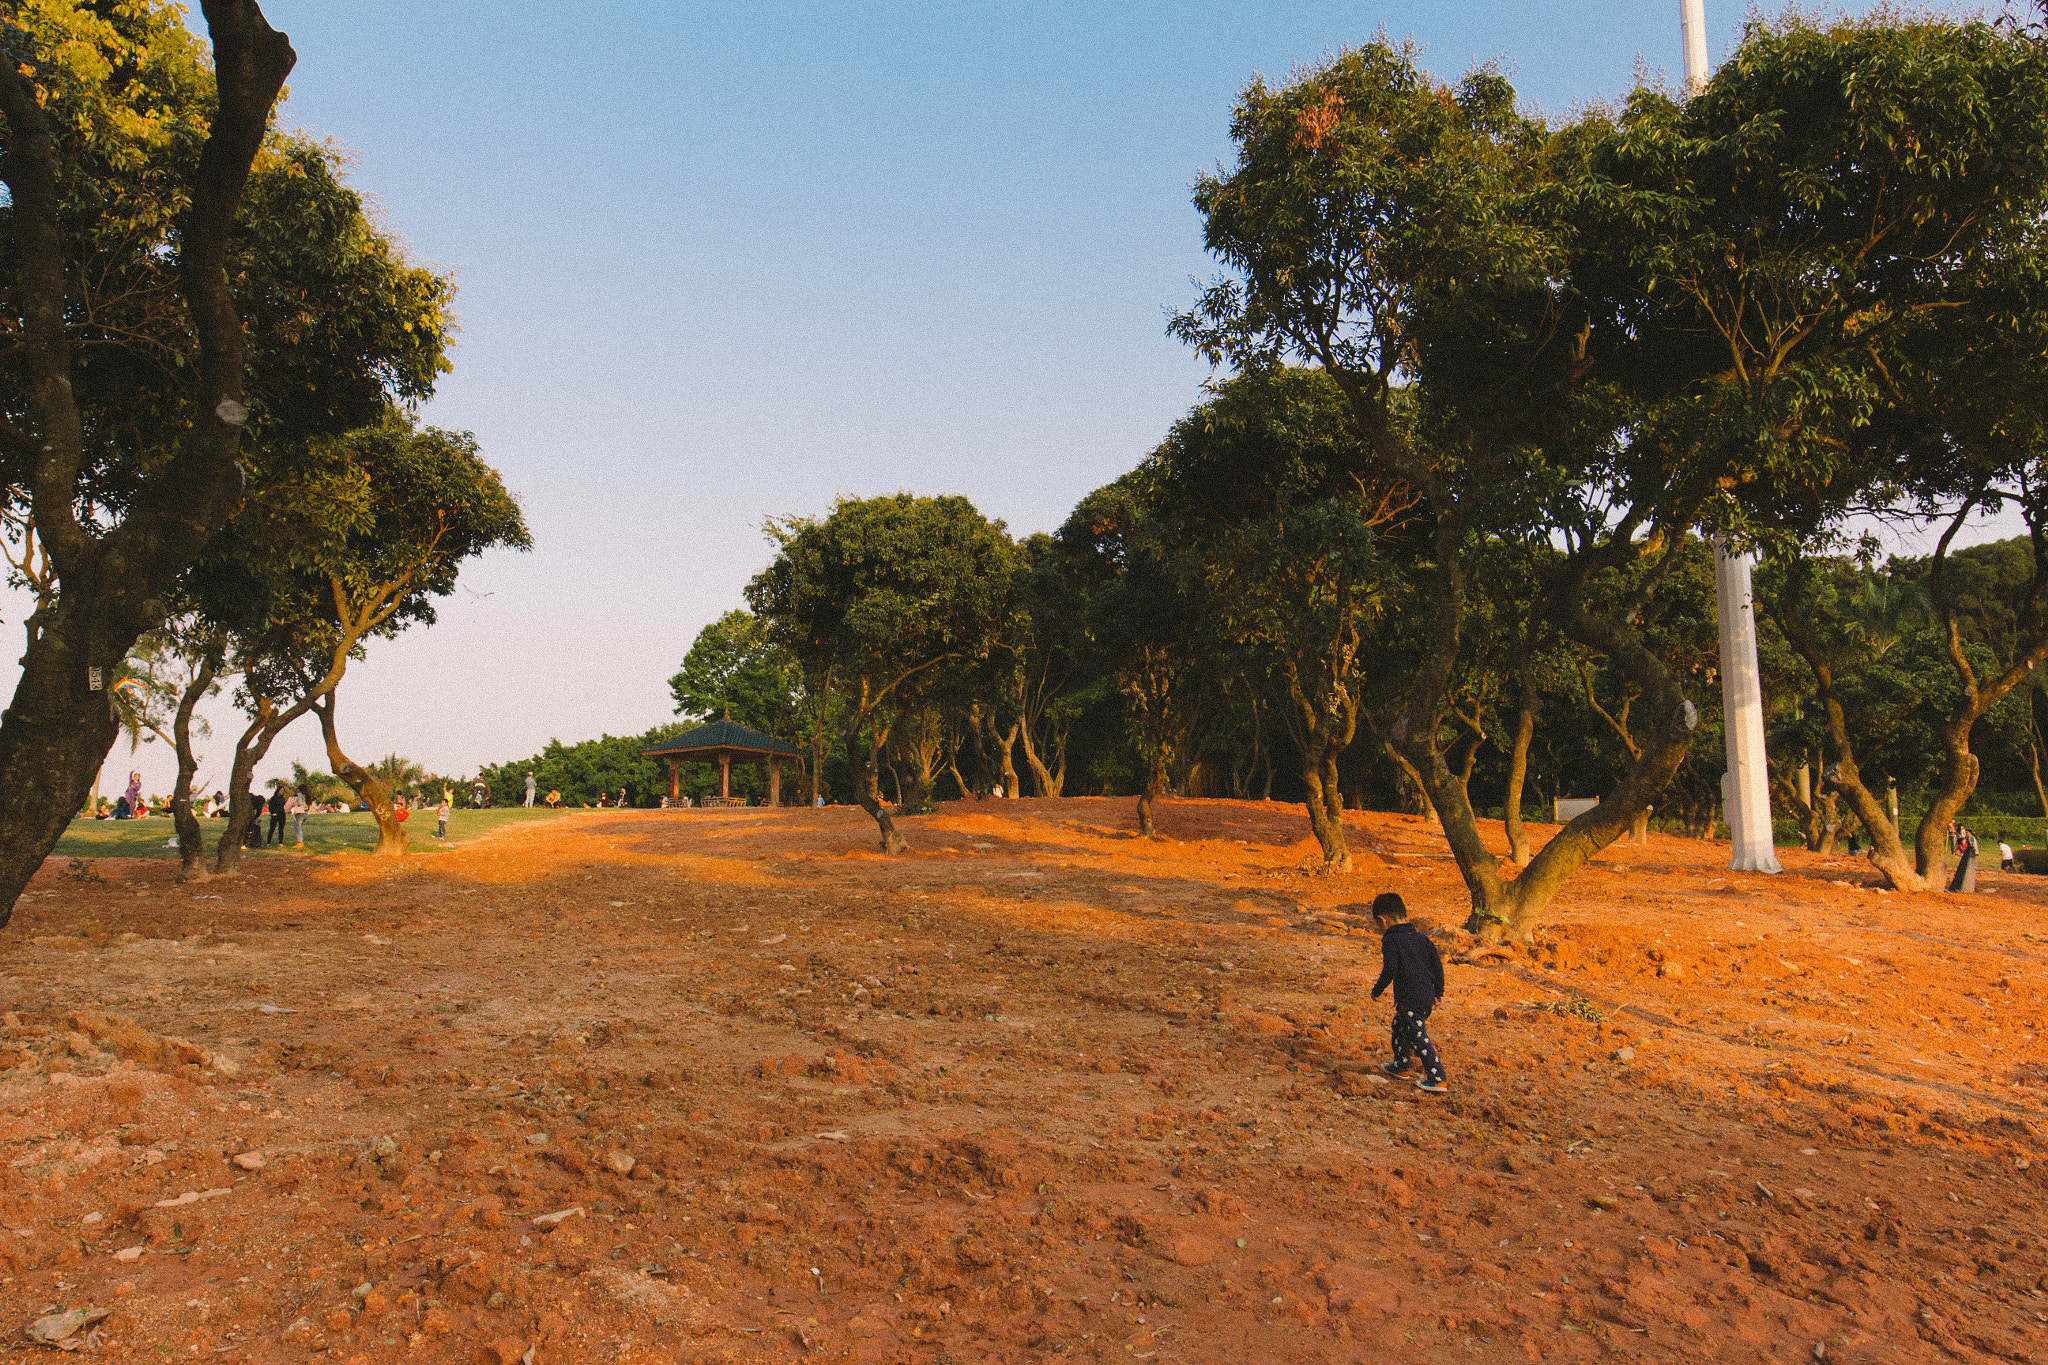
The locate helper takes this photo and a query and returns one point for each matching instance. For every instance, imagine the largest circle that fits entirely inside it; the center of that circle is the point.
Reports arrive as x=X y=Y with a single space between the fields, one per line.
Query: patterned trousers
x=1411 y=1039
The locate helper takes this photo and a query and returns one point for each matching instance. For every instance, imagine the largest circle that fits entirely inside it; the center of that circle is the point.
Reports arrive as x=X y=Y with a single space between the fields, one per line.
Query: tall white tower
x=1692 y=16
x=1746 y=787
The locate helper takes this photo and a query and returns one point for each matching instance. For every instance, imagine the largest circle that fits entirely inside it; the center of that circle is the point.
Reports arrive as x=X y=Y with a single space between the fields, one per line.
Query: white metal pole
x=1746 y=789
x=1692 y=17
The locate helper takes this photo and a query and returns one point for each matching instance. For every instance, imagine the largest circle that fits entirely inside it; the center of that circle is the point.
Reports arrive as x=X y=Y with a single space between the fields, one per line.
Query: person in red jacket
x=1410 y=964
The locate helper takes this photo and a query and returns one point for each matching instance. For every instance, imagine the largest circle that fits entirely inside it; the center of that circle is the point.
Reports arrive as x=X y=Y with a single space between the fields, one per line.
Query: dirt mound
x=726 y=1086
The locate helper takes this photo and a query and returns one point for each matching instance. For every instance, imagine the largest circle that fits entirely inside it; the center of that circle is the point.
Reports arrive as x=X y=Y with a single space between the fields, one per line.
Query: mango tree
x=124 y=488
x=884 y=593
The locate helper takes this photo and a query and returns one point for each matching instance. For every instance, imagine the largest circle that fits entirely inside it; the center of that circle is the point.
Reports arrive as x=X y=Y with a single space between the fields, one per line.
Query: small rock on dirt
x=548 y=1220
x=52 y=1329
x=250 y=1161
x=620 y=1163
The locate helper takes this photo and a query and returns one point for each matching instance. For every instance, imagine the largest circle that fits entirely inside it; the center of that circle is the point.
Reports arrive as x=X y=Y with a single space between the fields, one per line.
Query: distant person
x=276 y=817
x=996 y=790
x=301 y=801
x=554 y=800
x=1951 y=836
x=624 y=800
x=818 y=801
x=220 y=805
x=2005 y=859
x=1855 y=845
x=134 y=792
x=1409 y=963
x=441 y=816
x=252 y=836
x=479 y=793
x=122 y=810
x=529 y=791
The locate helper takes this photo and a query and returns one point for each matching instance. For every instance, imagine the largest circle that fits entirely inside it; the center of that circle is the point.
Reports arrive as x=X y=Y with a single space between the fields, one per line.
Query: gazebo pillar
x=774 y=781
x=675 y=788
x=725 y=777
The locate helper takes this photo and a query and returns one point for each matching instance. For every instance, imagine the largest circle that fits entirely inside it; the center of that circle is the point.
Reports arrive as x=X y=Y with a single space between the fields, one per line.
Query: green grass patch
x=355 y=832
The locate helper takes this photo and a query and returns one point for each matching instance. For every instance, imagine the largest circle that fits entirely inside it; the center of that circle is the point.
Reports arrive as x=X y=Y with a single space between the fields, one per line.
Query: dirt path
x=1037 y=1090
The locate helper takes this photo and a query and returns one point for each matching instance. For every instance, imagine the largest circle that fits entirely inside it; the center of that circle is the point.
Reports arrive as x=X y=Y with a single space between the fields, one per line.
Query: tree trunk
x=391 y=838
x=818 y=738
x=1797 y=792
x=58 y=728
x=1154 y=785
x=1830 y=822
x=250 y=748
x=1959 y=766
x=191 y=839
x=1041 y=778
x=2034 y=765
x=864 y=760
x=1004 y=742
x=1413 y=783
x=1888 y=853
x=980 y=753
x=1510 y=909
x=1057 y=778
x=1518 y=773
x=1325 y=805
x=1322 y=720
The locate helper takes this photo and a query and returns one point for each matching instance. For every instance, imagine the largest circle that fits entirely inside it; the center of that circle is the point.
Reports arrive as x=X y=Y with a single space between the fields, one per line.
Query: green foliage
x=581 y=772
x=734 y=668
x=337 y=321
x=885 y=589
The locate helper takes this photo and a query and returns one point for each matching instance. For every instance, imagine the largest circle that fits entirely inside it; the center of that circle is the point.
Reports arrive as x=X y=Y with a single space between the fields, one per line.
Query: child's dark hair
x=1389 y=906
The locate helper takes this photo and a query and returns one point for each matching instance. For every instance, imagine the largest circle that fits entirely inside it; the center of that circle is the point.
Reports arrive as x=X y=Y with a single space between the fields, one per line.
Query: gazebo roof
x=726 y=735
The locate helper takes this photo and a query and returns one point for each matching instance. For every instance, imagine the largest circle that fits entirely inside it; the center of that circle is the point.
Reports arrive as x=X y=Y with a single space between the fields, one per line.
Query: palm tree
x=398 y=773
x=323 y=786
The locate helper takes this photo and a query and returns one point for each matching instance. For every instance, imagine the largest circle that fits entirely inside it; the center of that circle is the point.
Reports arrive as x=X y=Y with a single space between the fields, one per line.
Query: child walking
x=1410 y=964
x=441 y=814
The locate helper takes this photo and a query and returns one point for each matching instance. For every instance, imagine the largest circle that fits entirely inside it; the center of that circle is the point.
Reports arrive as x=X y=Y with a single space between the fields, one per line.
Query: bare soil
x=1038 y=1089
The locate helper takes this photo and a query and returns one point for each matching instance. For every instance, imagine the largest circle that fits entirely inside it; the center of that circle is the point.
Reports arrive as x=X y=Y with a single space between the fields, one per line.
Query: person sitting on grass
x=1410 y=964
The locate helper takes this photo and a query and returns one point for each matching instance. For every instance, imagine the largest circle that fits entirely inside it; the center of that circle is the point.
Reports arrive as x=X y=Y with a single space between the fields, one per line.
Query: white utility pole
x=1746 y=786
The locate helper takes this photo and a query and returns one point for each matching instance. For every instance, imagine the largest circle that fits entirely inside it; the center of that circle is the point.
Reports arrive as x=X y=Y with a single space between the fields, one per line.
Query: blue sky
x=720 y=262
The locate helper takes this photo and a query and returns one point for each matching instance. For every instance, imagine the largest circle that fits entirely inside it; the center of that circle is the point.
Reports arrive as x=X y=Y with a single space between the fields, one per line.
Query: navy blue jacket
x=1409 y=963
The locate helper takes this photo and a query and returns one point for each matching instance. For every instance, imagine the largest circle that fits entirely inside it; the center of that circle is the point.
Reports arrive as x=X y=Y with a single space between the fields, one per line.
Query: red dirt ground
x=1037 y=1090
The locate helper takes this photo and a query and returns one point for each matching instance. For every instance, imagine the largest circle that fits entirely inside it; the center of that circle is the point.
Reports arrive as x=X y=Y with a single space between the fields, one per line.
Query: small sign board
x=1570 y=808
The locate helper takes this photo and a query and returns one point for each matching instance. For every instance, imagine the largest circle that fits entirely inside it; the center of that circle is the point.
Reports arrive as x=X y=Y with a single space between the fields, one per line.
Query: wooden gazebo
x=722 y=742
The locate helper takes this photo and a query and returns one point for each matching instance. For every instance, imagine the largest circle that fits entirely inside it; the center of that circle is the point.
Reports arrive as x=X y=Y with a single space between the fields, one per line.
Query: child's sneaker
x=1392 y=1069
x=1432 y=1087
